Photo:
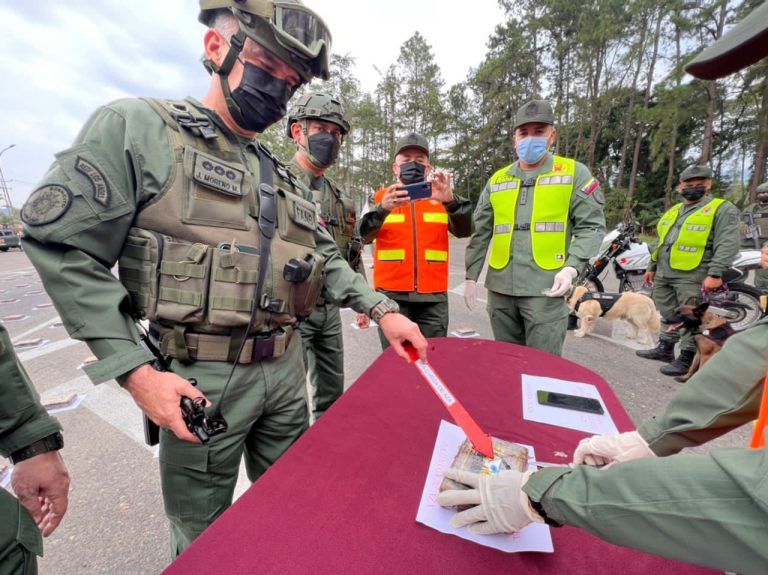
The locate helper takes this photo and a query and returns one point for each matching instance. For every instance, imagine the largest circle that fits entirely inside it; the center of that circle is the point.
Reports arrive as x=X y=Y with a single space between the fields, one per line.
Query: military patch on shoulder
x=46 y=205
x=590 y=186
x=214 y=173
x=102 y=195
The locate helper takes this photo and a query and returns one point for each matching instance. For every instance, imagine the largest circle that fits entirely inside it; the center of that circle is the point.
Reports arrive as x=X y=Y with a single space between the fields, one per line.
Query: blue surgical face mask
x=531 y=149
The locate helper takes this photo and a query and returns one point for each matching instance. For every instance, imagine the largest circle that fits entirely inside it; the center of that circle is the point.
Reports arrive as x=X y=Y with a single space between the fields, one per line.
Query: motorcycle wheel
x=592 y=285
x=749 y=311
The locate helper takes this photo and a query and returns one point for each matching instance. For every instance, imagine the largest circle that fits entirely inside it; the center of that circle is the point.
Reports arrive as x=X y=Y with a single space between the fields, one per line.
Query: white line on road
x=45 y=324
x=45 y=350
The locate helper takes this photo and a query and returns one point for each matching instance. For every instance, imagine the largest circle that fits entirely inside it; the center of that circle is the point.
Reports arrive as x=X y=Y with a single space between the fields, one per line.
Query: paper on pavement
x=535 y=537
x=568 y=418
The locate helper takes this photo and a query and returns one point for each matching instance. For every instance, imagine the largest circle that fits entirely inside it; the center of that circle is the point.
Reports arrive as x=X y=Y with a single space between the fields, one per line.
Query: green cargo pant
x=539 y=321
x=668 y=296
x=20 y=539
x=761 y=279
x=430 y=316
x=266 y=409
x=323 y=346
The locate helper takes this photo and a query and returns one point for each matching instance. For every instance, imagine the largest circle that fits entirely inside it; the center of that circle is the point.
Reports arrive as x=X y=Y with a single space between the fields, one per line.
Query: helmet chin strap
x=236 y=44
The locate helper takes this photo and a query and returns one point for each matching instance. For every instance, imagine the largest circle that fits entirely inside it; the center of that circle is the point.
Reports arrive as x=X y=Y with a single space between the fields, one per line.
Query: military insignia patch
x=590 y=187
x=705 y=210
x=532 y=110
x=102 y=195
x=558 y=168
x=46 y=205
x=215 y=174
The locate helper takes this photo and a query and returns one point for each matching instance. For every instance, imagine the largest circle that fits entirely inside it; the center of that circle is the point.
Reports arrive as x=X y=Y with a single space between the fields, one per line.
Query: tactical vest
x=411 y=249
x=605 y=300
x=549 y=219
x=191 y=261
x=336 y=211
x=688 y=250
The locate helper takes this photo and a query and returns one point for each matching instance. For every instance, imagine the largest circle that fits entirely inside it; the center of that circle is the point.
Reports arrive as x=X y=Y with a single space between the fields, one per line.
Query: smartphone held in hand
x=419 y=190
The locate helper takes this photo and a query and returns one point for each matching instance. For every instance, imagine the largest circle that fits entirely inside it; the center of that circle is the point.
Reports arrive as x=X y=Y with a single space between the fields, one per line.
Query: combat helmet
x=317 y=106
x=287 y=28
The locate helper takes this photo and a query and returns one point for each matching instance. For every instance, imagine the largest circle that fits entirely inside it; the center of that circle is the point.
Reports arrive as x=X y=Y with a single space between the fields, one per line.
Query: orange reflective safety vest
x=758 y=436
x=411 y=248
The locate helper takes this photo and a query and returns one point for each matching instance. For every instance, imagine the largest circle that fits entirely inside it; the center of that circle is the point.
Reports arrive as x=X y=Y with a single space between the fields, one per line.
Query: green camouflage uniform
x=23 y=421
x=672 y=288
x=709 y=509
x=428 y=310
x=518 y=311
x=760 y=217
x=125 y=161
x=321 y=332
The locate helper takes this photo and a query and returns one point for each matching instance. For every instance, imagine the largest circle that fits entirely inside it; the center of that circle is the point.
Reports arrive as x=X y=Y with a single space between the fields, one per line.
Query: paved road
x=115 y=522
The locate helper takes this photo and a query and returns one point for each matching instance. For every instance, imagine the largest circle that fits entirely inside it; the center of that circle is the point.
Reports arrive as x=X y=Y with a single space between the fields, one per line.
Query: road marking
x=34 y=329
x=55 y=346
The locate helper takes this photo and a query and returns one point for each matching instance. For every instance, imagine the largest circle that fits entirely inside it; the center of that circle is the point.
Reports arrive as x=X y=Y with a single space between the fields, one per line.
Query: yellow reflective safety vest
x=688 y=250
x=549 y=220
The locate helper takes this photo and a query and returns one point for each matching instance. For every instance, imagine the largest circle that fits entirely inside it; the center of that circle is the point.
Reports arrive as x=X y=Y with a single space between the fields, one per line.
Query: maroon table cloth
x=344 y=498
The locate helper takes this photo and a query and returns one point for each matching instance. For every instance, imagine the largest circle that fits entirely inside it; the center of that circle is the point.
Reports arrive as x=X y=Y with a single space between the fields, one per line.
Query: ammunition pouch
x=354 y=252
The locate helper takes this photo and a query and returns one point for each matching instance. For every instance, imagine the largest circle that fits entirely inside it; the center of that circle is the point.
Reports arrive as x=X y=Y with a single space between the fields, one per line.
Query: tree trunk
x=631 y=108
x=761 y=154
x=640 y=129
x=671 y=158
x=706 y=145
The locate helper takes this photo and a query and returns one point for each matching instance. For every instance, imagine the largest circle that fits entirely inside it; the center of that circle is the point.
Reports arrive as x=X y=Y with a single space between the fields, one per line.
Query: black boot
x=665 y=351
x=681 y=365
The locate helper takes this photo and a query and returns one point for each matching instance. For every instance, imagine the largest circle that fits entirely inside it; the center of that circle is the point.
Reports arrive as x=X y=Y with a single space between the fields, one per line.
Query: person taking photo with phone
x=411 y=251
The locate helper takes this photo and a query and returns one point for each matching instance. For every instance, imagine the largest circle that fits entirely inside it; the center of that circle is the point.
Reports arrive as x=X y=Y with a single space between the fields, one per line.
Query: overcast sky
x=60 y=60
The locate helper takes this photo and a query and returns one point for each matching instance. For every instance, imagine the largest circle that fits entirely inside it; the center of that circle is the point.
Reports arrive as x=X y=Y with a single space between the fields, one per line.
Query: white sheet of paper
x=535 y=537
x=568 y=418
x=75 y=404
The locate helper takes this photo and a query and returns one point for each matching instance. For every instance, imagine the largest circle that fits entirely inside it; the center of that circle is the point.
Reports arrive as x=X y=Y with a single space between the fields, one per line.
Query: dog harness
x=719 y=334
x=606 y=301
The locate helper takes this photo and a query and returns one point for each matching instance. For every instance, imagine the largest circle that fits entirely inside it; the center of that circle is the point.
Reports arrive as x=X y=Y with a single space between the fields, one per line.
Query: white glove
x=501 y=506
x=470 y=293
x=608 y=449
x=563 y=282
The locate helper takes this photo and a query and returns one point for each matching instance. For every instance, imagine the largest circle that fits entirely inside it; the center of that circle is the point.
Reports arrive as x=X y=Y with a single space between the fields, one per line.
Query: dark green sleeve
x=343 y=285
x=587 y=221
x=371 y=222
x=726 y=240
x=721 y=396
x=477 y=248
x=22 y=419
x=127 y=145
x=708 y=510
x=459 y=216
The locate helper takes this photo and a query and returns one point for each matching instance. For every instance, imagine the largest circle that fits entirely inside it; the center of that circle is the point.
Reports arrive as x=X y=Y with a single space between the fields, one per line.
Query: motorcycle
x=738 y=302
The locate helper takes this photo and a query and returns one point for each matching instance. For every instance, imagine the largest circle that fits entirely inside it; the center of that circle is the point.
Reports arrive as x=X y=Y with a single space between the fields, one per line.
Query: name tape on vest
x=215 y=174
x=304 y=216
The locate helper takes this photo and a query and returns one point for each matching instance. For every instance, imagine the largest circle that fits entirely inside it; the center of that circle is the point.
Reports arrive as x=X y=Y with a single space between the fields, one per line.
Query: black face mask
x=323 y=149
x=412 y=172
x=261 y=97
x=693 y=193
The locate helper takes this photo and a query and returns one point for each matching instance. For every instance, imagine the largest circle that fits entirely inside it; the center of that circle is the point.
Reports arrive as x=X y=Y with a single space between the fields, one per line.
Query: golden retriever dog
x=636 y=309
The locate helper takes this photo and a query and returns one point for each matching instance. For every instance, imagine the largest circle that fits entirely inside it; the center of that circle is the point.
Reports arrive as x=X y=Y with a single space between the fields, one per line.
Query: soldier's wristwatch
x=50 y=443
x=384 y=307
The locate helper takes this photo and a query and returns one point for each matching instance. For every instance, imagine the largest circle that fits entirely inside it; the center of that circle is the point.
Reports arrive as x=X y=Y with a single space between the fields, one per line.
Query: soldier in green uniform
x=318 y=126
x=31 y=439
x=218 y=247
x=706 y=509
x=755 y=221
x=698 y=241
x=543 y=217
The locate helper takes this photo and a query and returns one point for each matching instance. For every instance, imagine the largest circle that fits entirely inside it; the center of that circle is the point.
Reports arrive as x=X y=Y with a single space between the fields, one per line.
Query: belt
x=209 y=347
